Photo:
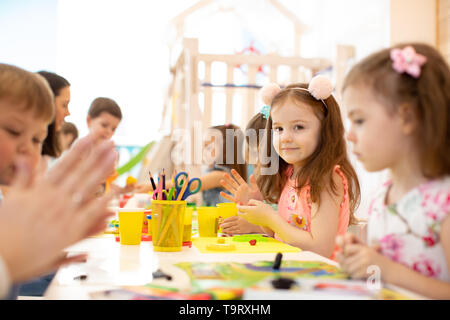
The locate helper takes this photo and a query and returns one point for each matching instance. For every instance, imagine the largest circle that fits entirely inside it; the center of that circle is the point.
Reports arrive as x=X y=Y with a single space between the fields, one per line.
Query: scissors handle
x=190 y=192
x=178 y=182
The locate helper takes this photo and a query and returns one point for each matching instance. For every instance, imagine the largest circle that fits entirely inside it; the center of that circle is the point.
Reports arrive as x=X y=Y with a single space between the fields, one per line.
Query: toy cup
x=187 y=231
x=226 y=210
x=167 y=225
x=207 y=221
x=130 y=225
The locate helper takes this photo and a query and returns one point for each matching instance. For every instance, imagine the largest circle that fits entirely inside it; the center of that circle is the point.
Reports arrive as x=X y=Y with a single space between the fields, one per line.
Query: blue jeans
x=36 y=287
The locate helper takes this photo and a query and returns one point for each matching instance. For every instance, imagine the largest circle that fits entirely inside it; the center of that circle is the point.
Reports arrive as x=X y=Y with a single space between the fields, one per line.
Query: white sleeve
x=5 y=281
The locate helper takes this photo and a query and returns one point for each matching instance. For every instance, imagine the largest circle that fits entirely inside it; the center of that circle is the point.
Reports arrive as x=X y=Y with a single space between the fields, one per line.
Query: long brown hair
x=257 y=124
x=238 y=162
x=319 y=166
x=51 y=146
x=428 y=95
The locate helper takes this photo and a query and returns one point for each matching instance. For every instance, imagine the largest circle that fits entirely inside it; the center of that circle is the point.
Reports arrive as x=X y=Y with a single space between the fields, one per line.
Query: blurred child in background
x=398 y=101
x=67 y=135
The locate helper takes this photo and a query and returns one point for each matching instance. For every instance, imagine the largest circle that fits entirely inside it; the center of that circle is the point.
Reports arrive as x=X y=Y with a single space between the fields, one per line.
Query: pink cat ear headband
x=407 y=60
x=319 y=87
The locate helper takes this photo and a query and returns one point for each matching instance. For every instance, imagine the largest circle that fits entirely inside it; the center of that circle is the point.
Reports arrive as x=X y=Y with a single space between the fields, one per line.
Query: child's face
x=62 y=107
x=103 y=126
x=376 y=135
x=65 y=140
x=296 y=131
x=21 y=135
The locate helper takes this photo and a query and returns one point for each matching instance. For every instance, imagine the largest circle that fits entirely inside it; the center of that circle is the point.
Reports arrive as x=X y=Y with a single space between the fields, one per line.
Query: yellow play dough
x=221 y=247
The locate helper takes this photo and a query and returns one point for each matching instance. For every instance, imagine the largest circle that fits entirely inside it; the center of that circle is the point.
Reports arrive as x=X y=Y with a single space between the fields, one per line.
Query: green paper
x=135 y=160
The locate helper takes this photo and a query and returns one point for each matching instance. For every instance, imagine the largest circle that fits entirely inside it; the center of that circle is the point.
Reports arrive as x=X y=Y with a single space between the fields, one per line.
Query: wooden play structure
x=192 y=98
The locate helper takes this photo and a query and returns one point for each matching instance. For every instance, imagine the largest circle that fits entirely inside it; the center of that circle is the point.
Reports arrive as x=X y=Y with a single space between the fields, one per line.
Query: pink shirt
x=295 y=207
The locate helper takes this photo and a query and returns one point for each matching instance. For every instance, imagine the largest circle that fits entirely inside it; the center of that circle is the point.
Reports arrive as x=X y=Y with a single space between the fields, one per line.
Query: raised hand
x=241 y=192
x=41 y=216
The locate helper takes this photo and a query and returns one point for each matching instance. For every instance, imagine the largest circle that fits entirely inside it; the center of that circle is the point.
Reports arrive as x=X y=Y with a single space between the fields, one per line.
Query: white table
x=111 y=265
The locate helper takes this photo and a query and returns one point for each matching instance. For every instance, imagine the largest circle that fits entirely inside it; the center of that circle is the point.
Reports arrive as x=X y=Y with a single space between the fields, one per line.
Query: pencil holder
x=167 y=225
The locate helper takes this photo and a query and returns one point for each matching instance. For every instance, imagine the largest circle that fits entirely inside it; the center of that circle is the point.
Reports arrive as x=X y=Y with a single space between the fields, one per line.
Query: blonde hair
x=25 y=88
x=428 y=95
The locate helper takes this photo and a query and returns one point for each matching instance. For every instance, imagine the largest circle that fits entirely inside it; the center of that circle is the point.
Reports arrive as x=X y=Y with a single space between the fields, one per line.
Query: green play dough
x=248 y=237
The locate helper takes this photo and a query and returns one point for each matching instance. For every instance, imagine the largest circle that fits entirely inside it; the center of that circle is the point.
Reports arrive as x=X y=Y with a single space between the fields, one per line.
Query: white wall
x=28 y=33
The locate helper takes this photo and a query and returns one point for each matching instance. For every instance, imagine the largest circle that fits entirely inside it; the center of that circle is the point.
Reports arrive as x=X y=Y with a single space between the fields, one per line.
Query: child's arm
x=323 y=226
x=357 y=257
x=238 y=225
x=324 y=222
x=211 y=180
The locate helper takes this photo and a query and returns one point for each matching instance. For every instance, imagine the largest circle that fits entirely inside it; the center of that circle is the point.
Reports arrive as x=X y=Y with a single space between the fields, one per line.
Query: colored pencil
x=152 y=181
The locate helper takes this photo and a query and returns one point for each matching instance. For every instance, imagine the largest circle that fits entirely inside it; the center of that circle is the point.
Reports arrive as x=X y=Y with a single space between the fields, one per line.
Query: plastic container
x=207 y=221
x=226 y=210
x=167 y=225
x=130 y=225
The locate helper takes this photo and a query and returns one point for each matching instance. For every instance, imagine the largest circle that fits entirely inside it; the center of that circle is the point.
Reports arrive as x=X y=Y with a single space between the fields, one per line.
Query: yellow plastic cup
x=226 y=210
x=207 y=221
x=130 y=225
x=187 y=230
x=167 y=225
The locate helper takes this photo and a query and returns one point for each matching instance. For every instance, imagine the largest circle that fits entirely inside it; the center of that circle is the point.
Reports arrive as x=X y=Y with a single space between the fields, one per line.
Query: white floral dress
x=408 y=231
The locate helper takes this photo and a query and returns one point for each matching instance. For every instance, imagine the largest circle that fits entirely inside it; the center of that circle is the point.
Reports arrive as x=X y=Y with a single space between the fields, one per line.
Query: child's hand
x=120 y=190
x=143 y=188
x=257 y=212
x=238 y=225
x=40 y=217
x=240 y=190
x=355 y=257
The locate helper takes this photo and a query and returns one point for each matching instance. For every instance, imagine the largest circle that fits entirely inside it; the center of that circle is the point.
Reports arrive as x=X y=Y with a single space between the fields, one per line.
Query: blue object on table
x=181 y=179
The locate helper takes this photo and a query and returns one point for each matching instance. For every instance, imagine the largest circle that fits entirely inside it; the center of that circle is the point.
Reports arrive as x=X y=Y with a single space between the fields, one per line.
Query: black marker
x=277 y=262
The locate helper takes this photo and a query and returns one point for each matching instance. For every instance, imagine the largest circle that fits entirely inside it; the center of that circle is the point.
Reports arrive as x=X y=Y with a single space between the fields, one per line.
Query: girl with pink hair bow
x=398 y=102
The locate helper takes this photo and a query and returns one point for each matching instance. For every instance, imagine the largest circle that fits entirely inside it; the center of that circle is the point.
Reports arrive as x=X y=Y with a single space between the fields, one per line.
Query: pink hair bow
x=407 y=60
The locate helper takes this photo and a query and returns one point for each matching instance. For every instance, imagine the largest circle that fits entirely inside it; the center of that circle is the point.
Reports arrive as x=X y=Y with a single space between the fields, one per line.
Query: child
x=67 y=135
x=103 y=118
x=216 y=150
x=254 y=132
x=51 y=150
x=398 y=101
x=220 y=163
x=315 y=185
x=27 y=108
